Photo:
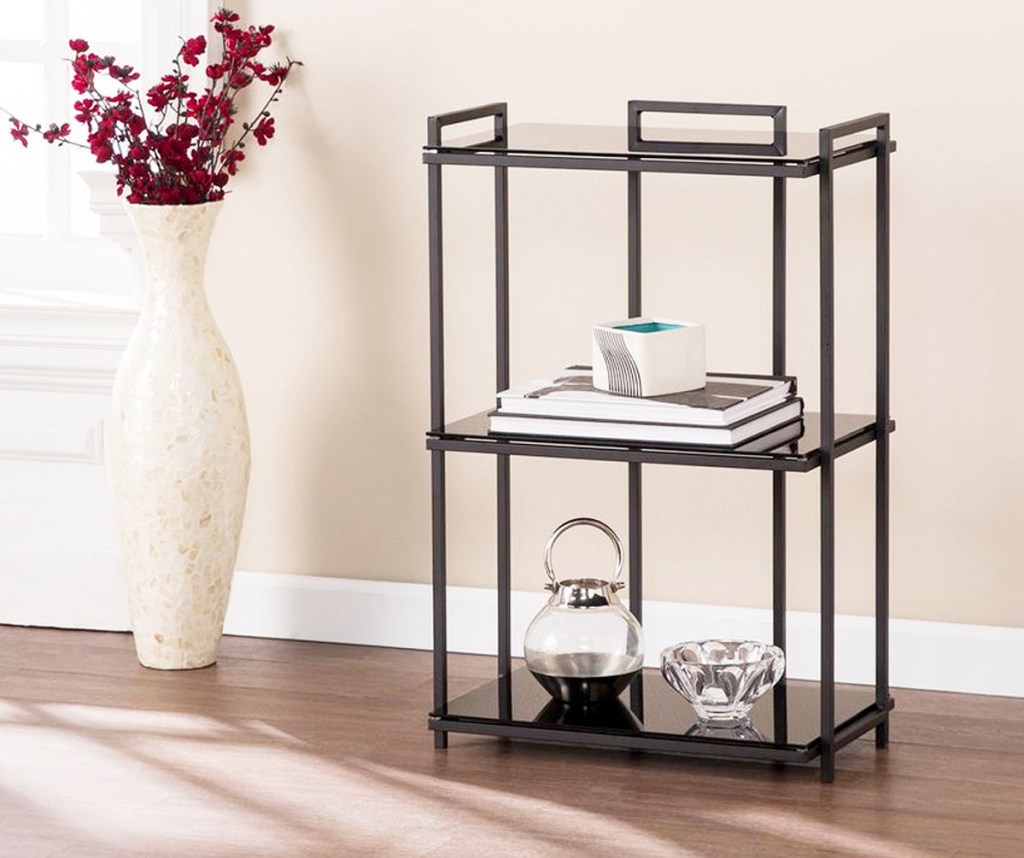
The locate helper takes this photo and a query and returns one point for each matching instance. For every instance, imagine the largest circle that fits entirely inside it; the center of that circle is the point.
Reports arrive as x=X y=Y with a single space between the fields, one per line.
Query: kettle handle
x=592 y=522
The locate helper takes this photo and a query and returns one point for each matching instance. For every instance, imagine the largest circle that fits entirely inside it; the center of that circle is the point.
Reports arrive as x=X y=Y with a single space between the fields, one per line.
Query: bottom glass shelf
x=784 y=724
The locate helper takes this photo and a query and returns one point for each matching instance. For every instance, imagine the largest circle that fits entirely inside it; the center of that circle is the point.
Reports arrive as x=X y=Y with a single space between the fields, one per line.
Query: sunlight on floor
x=77 y=716
x=128 y=782
x=160 y=780
x=524 y=822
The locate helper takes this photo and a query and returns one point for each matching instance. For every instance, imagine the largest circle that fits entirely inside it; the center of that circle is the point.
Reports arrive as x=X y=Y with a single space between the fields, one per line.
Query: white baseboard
x=927 y=655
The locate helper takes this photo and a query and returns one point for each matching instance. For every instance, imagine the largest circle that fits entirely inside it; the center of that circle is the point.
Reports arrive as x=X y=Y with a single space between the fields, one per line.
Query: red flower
x=20 y=131
x=224 y=14
x=232 y=158
x=124 y=74
x=215 y=71
x=85 y=67
x=192 y=49
x=86 y=111
x=136 y=124
x=102 y=151
x=170 y=88
x=184 y=132
x=275 y=75
x=78 y=45
x=263 y=130
x=240 y=80
x=55 y=133
x=245 y=44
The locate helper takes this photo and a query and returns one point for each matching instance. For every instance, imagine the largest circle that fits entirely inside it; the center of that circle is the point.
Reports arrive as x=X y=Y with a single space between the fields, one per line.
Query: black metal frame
x=716 y=159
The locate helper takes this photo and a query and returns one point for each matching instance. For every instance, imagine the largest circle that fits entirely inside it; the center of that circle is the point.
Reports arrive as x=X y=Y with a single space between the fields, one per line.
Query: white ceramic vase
x=177 y=446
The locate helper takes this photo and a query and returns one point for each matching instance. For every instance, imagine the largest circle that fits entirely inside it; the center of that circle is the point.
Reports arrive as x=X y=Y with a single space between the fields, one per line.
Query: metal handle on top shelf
x=777 y=112
x=499 y=110
x=877 y=122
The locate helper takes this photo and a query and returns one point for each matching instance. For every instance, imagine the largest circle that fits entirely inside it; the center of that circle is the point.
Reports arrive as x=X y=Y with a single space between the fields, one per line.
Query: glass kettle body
x=584 y=646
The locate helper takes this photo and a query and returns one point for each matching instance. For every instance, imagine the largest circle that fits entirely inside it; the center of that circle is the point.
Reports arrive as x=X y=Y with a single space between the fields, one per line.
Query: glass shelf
x=796 y=148
x=784 y=724
x=852 y=431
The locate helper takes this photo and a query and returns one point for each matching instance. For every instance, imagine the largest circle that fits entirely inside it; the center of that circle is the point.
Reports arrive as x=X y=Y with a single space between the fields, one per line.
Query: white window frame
x=58 y=260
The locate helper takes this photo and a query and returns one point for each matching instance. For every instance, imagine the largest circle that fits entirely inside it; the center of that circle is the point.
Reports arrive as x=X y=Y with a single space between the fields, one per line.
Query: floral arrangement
x=179 y=151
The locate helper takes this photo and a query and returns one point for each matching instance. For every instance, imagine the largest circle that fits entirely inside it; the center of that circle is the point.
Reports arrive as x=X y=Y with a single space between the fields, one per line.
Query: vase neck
x=174 y=241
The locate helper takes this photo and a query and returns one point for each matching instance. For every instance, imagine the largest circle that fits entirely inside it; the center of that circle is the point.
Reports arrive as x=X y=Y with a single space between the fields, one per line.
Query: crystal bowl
x=721 y=680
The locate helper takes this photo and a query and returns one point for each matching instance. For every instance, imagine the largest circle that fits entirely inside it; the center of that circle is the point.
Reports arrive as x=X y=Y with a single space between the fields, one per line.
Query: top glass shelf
x=797 y=148
x=782 y=154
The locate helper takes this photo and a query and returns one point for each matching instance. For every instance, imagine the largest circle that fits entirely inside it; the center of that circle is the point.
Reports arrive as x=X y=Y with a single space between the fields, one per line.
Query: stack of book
x=755 y=413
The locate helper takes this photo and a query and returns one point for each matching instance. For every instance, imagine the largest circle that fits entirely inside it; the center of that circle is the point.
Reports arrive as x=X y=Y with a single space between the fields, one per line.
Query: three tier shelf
x=800 y=720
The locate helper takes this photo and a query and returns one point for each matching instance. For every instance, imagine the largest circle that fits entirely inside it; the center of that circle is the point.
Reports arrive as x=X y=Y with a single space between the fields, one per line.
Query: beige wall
x=319 y=278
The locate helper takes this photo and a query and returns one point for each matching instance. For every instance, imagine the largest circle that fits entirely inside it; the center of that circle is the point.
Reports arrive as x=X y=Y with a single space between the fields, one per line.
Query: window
x=49 y=237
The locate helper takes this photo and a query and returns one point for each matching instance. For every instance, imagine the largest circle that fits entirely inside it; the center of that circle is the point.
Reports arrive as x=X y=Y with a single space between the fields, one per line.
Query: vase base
x=177 y=666
x=170 y=659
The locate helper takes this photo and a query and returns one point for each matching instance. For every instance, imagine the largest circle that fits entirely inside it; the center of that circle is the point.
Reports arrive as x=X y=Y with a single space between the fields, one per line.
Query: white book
x=724 y=401
x=784 y=412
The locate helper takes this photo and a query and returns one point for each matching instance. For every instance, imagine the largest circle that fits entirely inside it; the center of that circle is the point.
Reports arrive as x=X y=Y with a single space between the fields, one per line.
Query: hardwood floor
x=302 y=749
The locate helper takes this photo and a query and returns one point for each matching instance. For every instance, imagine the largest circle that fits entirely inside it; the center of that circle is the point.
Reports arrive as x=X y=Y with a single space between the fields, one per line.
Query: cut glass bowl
x=721 y=680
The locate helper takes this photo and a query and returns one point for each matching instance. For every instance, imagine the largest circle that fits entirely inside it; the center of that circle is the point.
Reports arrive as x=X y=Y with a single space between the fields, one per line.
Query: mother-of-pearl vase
x=177 y=446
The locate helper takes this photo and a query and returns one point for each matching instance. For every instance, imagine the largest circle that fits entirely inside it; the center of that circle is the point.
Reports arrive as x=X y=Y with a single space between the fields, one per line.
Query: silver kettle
x=584 y=646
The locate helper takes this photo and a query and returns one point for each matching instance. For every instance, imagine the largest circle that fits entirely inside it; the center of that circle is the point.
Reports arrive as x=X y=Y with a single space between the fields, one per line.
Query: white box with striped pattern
x=649 y=356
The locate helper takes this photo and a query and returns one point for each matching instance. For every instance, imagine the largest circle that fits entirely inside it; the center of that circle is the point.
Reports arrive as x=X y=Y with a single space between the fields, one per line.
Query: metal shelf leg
x=437 y=465
x=504 y=500
x=636 y=593
x=827 y=333
x=781 y=724
x=882 y=441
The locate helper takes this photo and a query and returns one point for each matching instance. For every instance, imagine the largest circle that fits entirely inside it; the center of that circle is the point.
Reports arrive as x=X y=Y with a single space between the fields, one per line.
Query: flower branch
x=180 y=153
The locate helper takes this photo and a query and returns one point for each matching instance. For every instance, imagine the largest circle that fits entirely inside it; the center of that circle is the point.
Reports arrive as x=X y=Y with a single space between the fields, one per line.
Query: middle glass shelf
x=472 y=435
